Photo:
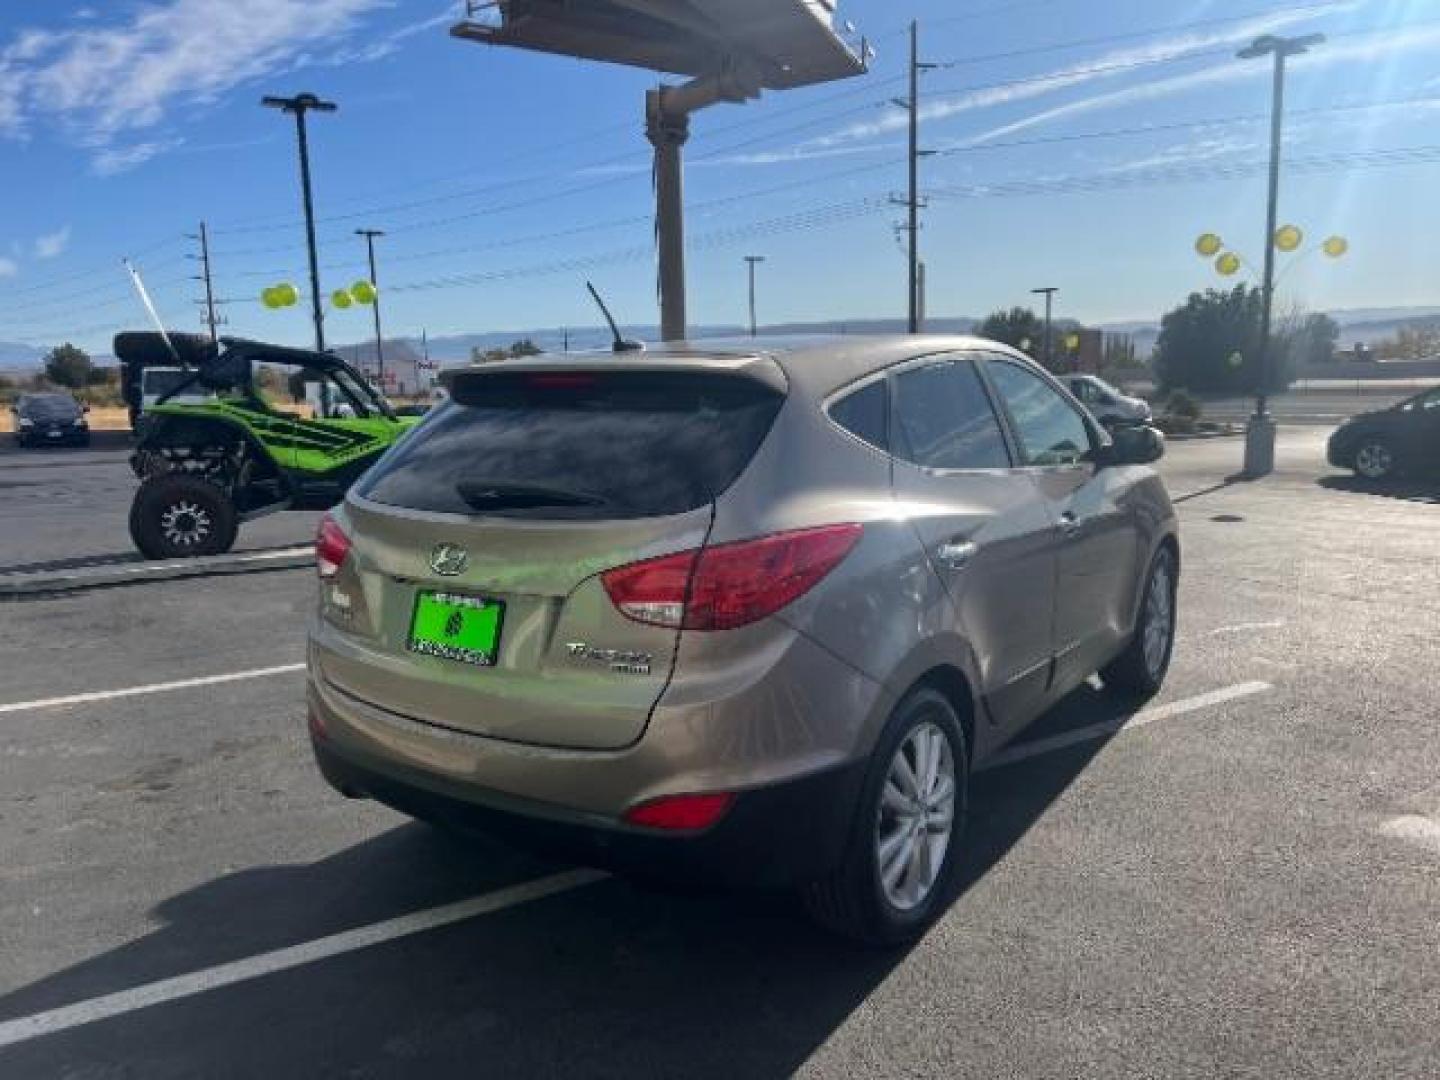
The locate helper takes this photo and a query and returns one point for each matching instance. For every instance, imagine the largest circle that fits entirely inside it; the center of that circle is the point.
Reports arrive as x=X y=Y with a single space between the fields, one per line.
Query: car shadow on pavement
x=604 y=980
x=1416 y=491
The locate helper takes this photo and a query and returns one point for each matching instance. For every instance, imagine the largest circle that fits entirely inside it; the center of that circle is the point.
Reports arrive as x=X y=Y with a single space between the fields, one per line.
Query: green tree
x=1119 y=352
x=67 y=365
x=1212 y=342
x=525 y=347
x=1015 y=328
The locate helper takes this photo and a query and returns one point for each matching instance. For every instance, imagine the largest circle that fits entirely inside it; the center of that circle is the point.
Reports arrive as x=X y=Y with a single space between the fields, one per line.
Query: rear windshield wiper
x=491 y=495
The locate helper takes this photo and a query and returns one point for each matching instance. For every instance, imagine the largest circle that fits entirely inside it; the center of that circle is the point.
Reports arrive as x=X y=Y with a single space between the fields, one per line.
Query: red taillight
x=680 y=812
x=331 y=547
x=729 y=585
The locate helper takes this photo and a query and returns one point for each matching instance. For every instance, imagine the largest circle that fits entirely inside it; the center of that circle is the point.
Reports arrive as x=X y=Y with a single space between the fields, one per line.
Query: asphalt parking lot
x=1243 y=879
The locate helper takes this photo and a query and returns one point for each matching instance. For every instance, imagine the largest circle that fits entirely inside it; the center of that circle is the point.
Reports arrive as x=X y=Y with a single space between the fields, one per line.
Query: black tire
x=1375 y=459
x=851 y=901
x=176 y=516
x=1132 y=673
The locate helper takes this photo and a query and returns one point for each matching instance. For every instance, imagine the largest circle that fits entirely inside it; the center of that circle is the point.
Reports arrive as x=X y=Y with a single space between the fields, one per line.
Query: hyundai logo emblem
x=448 y=560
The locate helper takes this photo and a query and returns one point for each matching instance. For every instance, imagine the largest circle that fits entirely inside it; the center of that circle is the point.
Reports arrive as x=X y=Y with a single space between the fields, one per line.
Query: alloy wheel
x=1374 y=461
x=185 y=524
x=916 y=818
x=1159 y=617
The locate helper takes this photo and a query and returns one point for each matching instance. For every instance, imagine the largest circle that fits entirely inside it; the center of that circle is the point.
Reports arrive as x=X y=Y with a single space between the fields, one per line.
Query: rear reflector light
x=332 y=547
x=729 y=585
x=680 y=812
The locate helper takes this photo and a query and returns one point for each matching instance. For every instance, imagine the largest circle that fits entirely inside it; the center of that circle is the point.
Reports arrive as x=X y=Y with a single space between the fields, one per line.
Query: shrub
x=1182 y=404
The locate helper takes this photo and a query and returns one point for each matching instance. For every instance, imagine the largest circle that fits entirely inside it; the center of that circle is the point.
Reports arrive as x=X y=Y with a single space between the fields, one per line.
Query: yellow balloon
x=1209 y=245
x=271 y=298
x=287 y=294
x=341 y=299
x=363 y=292
x=1228 y=264
x=1288 y=238
x=1336 y=246
x=1072 y=341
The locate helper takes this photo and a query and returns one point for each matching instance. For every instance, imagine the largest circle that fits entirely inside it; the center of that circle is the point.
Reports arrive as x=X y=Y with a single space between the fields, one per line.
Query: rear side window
x=578 y=445
x=865 y=414
x=944 y=420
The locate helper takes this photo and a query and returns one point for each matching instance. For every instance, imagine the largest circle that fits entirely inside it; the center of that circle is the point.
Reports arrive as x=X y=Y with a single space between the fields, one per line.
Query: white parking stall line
x=151 y=688
x=1239 y=628
x=1027 y=750
x=253 y=967
x=1423 y=831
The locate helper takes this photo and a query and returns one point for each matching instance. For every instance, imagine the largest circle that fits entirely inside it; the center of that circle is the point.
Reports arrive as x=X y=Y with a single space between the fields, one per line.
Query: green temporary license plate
x=456 y=627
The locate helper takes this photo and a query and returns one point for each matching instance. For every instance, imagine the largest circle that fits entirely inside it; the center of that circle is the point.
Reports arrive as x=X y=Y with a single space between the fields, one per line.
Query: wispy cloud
x=113 y=160
x=108 y=79
x=52 y=245
x=1108 y=67
x=1342 y=53
x=8 y=267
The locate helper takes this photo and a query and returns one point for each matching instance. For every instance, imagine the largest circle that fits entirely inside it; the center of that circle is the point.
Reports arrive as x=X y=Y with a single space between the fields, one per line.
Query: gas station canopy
x=784 y=43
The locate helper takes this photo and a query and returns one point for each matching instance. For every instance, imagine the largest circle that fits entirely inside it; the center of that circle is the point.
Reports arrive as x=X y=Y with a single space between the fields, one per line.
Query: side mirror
x=1139 y=444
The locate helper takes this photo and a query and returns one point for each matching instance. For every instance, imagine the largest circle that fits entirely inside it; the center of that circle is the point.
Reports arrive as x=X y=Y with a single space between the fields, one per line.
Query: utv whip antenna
x=154 y=315
x=620 y=344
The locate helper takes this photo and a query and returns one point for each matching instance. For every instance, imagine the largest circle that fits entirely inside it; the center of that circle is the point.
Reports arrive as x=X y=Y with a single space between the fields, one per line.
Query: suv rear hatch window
x=579 y=445
x=542 y=480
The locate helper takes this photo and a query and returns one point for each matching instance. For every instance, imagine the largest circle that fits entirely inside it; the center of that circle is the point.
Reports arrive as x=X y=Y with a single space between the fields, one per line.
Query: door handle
x=1069 y=524
x=955 y=554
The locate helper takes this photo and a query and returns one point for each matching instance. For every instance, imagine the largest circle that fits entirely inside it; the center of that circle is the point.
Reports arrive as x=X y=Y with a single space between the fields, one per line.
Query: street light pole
x=370 y=235
x=1260 y=435
x=298 y=106
x=751 y=261
x=1049 y=293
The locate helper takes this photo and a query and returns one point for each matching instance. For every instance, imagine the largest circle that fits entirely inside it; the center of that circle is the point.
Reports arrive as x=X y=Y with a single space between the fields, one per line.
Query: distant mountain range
x=1357 y=325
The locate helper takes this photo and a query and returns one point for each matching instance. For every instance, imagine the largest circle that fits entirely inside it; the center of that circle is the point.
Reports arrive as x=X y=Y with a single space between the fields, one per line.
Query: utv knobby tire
x=176 y=517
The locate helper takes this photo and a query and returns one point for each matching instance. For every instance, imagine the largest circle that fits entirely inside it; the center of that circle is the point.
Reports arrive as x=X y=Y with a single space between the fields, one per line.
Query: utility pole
x=298 y=106
x=370 y=235
x=751 y=261
x=1260 y=433
x=912 y=201
x=211 y=319
x=1049 y=292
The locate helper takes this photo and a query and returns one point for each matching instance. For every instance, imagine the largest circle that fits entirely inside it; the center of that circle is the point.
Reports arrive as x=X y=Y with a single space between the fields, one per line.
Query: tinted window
x=943 y=419
x=49 y=407
x=1051 y=432
x=865 y=414
x=570 y=444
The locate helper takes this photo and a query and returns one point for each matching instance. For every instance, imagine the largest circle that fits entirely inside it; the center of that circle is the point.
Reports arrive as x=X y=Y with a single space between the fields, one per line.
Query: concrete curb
x=1196 y=435
x=90 y=577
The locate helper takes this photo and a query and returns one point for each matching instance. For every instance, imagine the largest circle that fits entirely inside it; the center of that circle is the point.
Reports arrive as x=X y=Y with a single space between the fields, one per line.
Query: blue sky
x=1086 y=143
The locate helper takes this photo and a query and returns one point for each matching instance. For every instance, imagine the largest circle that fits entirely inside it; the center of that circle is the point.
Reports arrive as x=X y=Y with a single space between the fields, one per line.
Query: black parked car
x=1403 y=439
x=50 y=420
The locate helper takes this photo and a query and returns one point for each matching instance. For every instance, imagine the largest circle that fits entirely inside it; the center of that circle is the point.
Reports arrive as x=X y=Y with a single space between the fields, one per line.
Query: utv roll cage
x=230 y=367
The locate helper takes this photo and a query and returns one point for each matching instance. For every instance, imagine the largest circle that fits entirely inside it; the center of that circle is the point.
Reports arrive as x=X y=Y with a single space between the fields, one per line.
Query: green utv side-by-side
x=207 y=466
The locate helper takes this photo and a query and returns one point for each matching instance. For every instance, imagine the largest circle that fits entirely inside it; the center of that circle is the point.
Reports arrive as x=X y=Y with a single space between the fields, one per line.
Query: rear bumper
x=44 y=438
x=770 y=838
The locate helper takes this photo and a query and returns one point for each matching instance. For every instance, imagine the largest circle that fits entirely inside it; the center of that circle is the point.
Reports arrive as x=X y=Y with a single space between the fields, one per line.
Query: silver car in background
x=746 y=616
x=1107 y=404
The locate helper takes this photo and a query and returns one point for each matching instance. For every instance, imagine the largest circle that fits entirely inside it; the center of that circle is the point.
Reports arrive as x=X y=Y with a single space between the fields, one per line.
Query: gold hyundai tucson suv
x=739 y=615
